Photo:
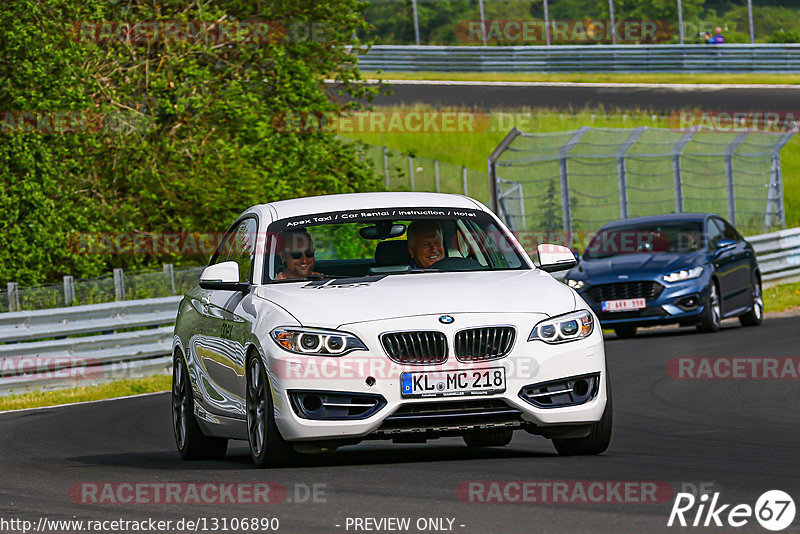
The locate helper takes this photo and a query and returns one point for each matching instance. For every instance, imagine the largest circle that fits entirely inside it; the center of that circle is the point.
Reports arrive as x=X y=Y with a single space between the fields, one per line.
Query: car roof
x=668 y=217
x=368 y=201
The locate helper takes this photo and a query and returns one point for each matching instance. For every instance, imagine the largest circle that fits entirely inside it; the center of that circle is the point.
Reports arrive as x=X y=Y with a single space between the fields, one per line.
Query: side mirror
x=553 y=258
x=724 y=244
x=223 y=276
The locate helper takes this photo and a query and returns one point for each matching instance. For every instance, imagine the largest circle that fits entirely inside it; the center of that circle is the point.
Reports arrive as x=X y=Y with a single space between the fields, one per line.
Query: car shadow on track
x=238 y=457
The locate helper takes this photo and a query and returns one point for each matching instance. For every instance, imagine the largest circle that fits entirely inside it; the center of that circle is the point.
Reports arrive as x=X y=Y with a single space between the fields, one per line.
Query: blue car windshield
x=682 y=237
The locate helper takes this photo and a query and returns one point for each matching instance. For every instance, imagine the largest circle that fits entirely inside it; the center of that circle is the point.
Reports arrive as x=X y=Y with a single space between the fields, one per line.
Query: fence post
x=69 y=290
x=563 y=154
x=491 y=167
x=170 y=270
x=436 y=174
x=386 y=166
x=464 y=179
x=775 y=195
x=676 y=166
x=119 y=284
x=621 y=176
x=13 y=297
x=730 y=192
x=411 y=170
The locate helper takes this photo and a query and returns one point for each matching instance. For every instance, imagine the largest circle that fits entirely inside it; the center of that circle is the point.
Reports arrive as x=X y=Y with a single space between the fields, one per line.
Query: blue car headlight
x=569 y=327
x=315 y=341
x=575 y=284
x=683 y=274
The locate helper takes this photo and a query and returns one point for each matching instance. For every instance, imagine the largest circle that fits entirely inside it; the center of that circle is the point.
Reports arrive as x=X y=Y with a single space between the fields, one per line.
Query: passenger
x=425 y=243
x=297 y=255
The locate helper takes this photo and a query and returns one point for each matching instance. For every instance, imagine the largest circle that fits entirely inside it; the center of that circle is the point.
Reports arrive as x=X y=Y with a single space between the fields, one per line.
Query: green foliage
x=185 y=135
x=784 y=36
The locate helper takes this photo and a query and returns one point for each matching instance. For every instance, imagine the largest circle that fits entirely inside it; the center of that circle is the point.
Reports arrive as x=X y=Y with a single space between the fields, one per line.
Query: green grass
x=110 y=390
x=613 y=77
x=472 y=149
x=782 y=297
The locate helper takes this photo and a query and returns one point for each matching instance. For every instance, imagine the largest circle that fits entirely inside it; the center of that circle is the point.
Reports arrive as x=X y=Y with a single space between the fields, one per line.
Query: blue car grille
x=647 y=290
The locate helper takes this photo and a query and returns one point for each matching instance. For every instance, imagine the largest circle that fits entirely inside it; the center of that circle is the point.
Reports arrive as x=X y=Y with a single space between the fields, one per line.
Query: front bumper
x=372 y=373
x=669 y=307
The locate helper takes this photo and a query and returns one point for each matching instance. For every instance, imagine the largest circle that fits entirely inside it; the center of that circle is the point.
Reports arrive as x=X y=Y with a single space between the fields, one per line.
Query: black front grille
x=486 y=343
x=423 y=347
x=625 y=290
x=656 y=311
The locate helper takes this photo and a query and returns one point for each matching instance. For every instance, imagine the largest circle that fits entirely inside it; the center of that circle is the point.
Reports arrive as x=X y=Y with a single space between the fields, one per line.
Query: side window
x=714 y=234
x=240 y=247
x=729 y=232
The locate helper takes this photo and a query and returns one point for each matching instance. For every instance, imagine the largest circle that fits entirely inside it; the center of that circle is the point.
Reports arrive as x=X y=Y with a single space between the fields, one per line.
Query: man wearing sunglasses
x=297 y=255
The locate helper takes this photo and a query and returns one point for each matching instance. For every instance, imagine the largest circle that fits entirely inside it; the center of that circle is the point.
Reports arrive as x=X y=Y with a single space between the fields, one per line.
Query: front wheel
x=625 y=332
x=598 y=439
x=496 y=438
x=267 y=446
x=755 y=316
x=191 y=442
x=712 y=316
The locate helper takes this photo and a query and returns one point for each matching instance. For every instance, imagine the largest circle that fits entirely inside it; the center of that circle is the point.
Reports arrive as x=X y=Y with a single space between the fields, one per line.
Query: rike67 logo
x=774 y=510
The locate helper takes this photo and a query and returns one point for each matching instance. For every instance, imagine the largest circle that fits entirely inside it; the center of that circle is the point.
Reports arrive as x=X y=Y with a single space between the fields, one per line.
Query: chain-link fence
x=402 y=171
x=576 y=181
x=540 y=22
x=123 y=286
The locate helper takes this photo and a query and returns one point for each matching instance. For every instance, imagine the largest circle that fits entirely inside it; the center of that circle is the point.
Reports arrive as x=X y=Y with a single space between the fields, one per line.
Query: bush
x=183 y=135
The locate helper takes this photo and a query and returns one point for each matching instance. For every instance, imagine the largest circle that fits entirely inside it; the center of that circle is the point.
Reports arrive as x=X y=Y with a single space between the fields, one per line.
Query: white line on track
x=84 y=402
x=666 y=86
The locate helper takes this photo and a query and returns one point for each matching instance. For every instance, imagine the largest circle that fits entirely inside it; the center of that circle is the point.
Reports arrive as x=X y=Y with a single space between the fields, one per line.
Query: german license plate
x=623 y=305
x=463 y=382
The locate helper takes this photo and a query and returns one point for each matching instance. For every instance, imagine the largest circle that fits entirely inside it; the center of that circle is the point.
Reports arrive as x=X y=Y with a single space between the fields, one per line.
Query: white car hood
x=332 y=303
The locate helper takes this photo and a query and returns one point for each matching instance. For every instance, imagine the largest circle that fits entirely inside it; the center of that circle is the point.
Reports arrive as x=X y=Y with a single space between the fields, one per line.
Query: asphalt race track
x=737 y=436
x=657 y=98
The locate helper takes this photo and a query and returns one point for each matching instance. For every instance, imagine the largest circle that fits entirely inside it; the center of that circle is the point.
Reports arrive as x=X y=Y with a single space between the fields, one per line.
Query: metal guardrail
x=38 y=354
x=585 y=58
x=778 y=255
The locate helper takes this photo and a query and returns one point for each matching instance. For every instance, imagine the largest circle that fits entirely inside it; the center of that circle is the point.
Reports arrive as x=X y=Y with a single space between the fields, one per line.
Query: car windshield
x=647 y=238
x=351 y=244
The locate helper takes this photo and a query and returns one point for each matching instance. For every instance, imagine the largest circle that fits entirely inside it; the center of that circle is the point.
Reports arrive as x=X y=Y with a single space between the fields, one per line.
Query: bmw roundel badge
x=446 y=319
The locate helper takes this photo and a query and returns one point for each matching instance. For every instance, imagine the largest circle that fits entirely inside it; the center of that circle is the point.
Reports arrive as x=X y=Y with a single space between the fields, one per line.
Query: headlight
x=569 y=327
x=316 y=342
x=575 y=284
x=685 y=274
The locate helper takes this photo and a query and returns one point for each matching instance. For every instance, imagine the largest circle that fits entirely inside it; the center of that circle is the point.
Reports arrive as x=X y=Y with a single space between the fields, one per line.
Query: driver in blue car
x=425 y=243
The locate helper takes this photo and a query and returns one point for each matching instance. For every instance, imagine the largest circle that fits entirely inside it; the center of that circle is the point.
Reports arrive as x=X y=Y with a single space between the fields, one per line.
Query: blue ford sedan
x=685 y=268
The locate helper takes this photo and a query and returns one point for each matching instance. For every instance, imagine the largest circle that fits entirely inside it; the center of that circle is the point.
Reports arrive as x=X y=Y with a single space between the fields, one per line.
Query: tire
x=625 y=332
x=755 y=316
x=712 y=316
x=267 y=446
x=191 y=442
x=496 y=438
x=599 y=436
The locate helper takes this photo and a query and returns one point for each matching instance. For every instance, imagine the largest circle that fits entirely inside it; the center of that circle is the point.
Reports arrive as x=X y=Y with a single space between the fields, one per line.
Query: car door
x=741 y=257
x=228 y=319
x=727 y=265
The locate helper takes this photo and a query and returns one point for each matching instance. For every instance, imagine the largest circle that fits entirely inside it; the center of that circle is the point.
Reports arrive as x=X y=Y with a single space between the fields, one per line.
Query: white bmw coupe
x=325 y=321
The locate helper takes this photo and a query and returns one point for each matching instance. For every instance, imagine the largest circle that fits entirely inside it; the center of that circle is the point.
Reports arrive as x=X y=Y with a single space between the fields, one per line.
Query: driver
x=297 y=255
x=425 y=243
